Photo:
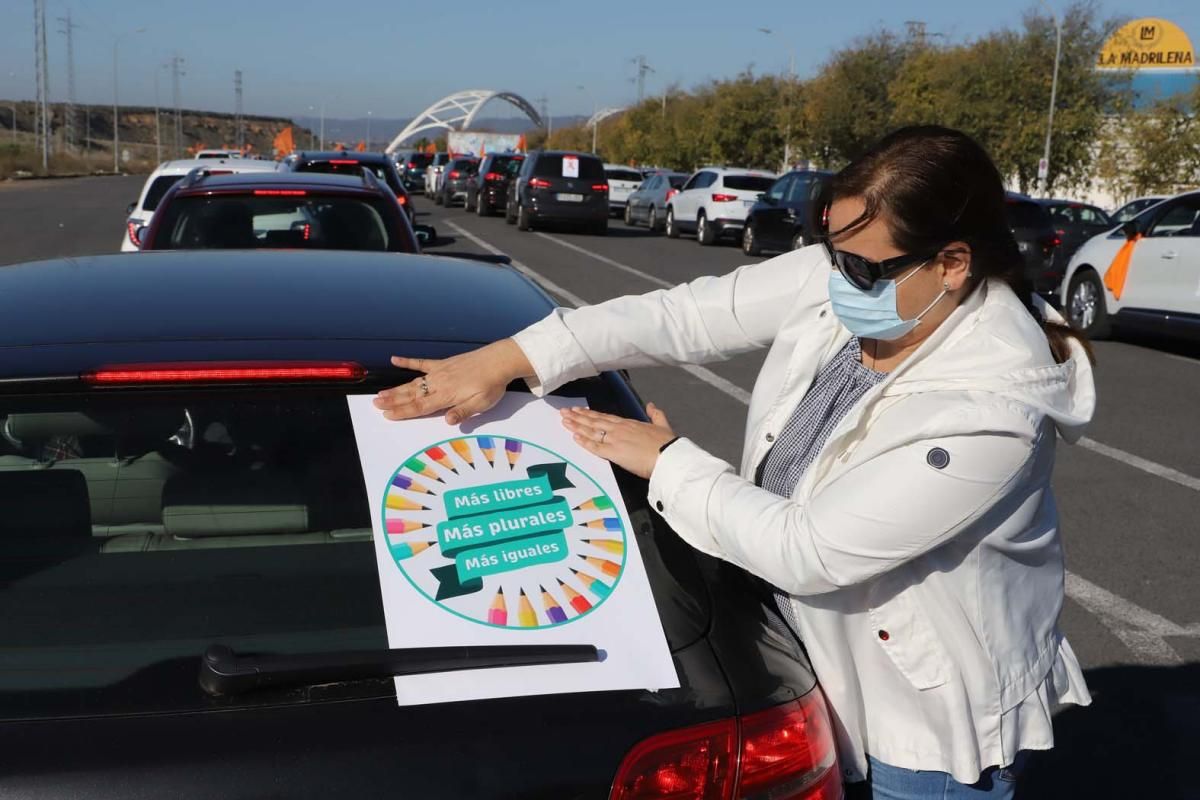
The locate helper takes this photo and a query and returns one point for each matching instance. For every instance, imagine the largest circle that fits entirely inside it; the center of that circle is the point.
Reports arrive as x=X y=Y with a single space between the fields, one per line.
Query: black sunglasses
x=862 y=272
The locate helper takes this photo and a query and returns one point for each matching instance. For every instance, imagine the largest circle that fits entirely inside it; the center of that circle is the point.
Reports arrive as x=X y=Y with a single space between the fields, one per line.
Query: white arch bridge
x=457 y=111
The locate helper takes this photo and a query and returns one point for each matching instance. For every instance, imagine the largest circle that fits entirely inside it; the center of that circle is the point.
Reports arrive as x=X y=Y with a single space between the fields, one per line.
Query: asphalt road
x=1129 y=495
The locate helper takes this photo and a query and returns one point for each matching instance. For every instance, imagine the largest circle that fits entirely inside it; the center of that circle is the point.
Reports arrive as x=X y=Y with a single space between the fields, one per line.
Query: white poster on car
x=570 y=166
x=506 y=532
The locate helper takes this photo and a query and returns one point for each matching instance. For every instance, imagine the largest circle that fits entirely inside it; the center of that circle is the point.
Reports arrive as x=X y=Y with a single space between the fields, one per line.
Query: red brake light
x=538 y=183
x=788 y=751
x=697 y=763
x=307 y=231
x=280 y=192
x=132 y=227
x=343 y=161
x=493 y=176
x=411 y=165
x=671 y=193
x=454 y=173
x=229 y=372
x=218 y=172
x=402 y=199
x=724 y=198
x=599 y=187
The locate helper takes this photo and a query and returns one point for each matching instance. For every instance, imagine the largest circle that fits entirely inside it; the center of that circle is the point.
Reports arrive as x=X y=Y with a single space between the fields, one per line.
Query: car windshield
x=159 y=187
x=312 y=222
x=748 y=183
x=1025 y=214
x=624 y=175
x=550 y=165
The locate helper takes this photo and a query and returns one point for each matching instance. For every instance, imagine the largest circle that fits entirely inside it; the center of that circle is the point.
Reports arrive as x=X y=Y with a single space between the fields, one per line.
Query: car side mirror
x=1130 y=229
x=129 y=208
x=426 y=234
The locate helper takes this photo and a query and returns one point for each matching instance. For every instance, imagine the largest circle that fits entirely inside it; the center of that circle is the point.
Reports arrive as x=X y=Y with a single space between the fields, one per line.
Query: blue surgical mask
x=872 y=314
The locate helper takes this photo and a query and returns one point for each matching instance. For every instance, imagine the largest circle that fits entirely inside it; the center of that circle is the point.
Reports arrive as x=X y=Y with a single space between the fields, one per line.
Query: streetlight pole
x=116 y=122
x=322 y=126
x=368 y=129
x=791 y=82
x=13 y=106
x=1045 y=179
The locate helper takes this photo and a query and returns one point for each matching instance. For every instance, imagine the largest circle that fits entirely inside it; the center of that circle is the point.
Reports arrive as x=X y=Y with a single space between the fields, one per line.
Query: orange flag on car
x=431 y=149
x=361 y=147
x=283 y=143
x=521 y=143
x=1114 y=277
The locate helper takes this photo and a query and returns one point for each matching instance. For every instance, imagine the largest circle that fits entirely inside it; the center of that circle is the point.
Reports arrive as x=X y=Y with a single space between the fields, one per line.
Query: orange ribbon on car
x=1114 y=277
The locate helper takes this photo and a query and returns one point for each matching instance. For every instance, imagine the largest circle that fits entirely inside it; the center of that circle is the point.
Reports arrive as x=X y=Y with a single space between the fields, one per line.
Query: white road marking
x=646 y=276
x=1145 y=465
x=1141 y=631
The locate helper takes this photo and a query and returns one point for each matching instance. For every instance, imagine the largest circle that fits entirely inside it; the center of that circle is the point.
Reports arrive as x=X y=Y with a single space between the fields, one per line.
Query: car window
x=748 y=183
x=624 y=175
x=158 y=188
x=1180 y=218
x=799 y=190
x=550 y=165
x=692 y=181
x=1090 y=215
x=419 y=160
x=468 y=165
x=677 y=181
x=780 y=188
x=311 y=222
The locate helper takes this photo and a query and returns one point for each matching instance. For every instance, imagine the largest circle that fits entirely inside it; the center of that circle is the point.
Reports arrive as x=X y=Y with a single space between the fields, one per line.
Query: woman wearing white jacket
x=895 y=483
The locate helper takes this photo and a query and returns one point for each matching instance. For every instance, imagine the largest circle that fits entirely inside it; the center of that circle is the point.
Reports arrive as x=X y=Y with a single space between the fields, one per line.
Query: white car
x=714 y=202
x=1161 y=289
x=167 y=175
x=622 y=182
x=433 y=173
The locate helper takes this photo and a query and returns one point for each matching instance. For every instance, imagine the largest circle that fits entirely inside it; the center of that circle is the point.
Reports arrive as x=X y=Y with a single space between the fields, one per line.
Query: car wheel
x=706 y=234
x=522 y=219
x=652 y=219
x=481 y=207
x=1086 y=307
x=628 y=216
x=750 y=244
x=467 y=203
x=510 y=216
x=672 y=227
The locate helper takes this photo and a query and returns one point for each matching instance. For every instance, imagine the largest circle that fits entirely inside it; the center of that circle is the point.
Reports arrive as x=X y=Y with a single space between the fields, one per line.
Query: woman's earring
x=946 y=285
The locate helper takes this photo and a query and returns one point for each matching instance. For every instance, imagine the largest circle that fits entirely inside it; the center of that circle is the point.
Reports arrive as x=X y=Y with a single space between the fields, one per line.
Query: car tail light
x=493 y=176
x=307 y=231
x=454 y=173
x=343 y=161
x=783 y=753
x=670 y=193
x=696 y=763
x=402 y=199
x=218 y=172
x=132 y=227
x=724 y=198
x=599 y=187
x=280 y=192
x=411 y=165
x=228 y=372
x=538 y=183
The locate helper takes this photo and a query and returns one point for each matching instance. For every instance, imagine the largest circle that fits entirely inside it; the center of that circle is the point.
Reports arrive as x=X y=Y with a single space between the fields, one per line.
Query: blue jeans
x=896 y=783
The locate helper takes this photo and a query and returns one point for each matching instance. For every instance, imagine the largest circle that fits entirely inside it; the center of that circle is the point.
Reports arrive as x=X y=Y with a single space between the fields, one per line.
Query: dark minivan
x=1036 y=239
x=557 y=186
x=777 y=220
x=487 y=191
x=343 y=162
x=189 y=594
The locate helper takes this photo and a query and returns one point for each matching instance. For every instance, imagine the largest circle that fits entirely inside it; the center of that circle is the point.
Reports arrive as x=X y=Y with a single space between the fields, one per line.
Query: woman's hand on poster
x=631 y=445
x=462 y=385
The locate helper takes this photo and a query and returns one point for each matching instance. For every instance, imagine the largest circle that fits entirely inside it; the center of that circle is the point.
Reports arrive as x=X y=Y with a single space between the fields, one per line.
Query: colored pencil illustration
x=601 y=503
x=488 y=447
x=525 y=615
x=404 y=526
x=439 y=455
x=604 y=565
x=513 y=449
x=409 y=549
x=398 y=502
x=578 y=602
x=405 y=482
x=463 y=450
x=498 y=611
x=593 y=584
x=611 y=545
x=606 y=524
x=421 y=468
x=553 y=610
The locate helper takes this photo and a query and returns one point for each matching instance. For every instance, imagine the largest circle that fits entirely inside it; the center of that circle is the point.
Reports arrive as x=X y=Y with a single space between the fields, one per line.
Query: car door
x=637 y=200
x=770 y=217
x=1164 y=270
x=687 y=202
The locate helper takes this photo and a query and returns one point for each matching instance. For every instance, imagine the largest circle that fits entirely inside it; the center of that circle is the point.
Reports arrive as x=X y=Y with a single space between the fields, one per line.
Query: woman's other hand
x=627 y=443
x=462 y=385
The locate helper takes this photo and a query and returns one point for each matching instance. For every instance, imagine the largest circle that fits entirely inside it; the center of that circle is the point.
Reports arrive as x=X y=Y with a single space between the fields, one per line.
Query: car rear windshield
x=158 y=188
x=468 y=165
x=350 y=167
x=551 y=166
x=311 y=222
x=748 y=183
x=1024 y=214
x=677 y=181
x=418 y=161
x=141 y=527
x=624 y=175
x=507 y=165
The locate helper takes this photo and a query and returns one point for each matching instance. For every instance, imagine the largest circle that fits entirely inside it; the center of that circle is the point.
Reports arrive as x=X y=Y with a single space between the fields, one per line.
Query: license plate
x=570 y=198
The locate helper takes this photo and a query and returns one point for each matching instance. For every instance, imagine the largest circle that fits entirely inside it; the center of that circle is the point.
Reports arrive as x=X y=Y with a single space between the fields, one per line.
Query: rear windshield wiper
x=224 y=672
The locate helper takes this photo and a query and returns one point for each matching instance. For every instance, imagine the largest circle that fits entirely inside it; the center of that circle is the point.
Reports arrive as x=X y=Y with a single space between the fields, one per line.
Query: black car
x=559 y=187
x=487 y=189
x=647 y=202
x=456 y=176
x=280 y=210
x=182 y=494
x=777 y=220
x=412 y=170
x=1074 y=223
x=342 y=162
x=1036 y=239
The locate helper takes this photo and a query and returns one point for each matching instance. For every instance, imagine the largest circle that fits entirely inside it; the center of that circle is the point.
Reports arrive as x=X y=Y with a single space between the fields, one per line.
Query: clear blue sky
x=395 y=58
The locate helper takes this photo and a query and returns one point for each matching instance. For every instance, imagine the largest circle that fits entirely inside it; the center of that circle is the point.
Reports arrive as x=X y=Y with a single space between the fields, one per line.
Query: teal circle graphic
x=503 y=532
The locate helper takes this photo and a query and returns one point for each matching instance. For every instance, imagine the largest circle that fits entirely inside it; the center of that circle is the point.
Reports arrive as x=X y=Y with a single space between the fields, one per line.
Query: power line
x=238 y=120
x=544 y=106
x=41 y=111
x=642 y=69
x=69 y=113
x=176 y=73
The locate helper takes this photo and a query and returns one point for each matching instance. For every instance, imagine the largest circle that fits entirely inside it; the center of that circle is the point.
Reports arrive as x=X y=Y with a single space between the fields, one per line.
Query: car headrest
x=44 y=503
x=237 y=504
x=149 y=425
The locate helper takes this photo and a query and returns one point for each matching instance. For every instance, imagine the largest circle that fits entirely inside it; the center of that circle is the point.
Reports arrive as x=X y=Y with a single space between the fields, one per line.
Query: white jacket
x=927 y=590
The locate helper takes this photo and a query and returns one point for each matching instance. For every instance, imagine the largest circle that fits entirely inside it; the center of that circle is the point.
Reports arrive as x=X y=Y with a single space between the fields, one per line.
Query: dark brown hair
x=933 y=185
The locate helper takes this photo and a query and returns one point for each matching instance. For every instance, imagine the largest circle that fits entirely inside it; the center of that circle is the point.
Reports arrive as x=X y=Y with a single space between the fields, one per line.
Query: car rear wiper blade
x=224 y=672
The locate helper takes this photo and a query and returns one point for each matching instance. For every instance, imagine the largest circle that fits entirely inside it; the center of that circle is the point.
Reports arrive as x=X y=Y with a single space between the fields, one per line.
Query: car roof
x=578 y=153
x=186 y=165
x=327 y=155
x=1054 y=201
x=316 y=181
x=758 y=173
x=260 y=295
